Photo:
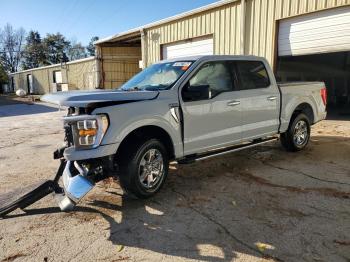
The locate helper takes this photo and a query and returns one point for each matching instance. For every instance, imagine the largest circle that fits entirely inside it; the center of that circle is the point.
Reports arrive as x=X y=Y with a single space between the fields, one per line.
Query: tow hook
x=75 y=187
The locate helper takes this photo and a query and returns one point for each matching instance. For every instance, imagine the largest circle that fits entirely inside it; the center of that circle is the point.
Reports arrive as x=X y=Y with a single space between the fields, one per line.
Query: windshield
x=157 y=77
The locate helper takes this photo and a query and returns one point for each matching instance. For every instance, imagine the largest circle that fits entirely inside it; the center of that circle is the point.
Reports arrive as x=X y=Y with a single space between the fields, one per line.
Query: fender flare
x=156 y=122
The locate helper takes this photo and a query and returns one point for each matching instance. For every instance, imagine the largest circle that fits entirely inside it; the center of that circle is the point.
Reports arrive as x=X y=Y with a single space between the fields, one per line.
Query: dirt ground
x=262 y=204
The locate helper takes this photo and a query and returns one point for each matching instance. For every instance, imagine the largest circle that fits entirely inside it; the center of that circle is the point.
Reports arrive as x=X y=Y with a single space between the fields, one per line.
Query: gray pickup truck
x=181 y=110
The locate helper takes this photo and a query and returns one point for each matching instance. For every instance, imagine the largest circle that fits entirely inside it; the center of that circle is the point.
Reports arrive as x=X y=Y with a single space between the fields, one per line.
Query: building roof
x=163 y=21
x=55 y=65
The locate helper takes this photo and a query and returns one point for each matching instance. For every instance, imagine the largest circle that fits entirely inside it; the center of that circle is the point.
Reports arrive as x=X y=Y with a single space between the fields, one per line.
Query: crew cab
x=180 y=110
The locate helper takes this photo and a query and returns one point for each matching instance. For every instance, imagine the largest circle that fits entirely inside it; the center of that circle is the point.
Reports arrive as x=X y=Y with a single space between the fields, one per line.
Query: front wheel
x=297 y=136
x=144 y=168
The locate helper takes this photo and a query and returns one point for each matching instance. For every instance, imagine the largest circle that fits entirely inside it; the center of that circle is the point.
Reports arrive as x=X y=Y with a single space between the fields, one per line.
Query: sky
x=80 y=20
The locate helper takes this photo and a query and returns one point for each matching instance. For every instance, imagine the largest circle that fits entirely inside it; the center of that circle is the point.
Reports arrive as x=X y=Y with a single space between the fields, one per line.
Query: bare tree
x=76 y=50
x=11 y=47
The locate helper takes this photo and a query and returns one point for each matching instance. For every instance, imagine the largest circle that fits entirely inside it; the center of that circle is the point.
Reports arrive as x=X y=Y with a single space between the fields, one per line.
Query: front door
x=212 y=117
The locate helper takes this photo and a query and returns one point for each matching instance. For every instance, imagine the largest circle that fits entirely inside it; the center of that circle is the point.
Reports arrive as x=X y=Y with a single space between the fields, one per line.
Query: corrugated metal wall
x=224 y=24
x=81 y=75
x=287 y=8
x=42 y=79
x=119 y=64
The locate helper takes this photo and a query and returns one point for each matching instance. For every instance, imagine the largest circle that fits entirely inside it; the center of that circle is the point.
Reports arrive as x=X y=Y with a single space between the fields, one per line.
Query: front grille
x=75 y=111
x=68 y=138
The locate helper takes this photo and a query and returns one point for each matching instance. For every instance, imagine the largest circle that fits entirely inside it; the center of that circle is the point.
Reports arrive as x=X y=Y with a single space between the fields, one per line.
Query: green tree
x=33 y=55
x=3 y=76
x=56 y=48
x=91 y=47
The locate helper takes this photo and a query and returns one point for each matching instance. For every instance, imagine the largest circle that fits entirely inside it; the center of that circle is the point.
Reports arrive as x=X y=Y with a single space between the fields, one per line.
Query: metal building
x=74 y=75
x=302 y=39
x=118 y=64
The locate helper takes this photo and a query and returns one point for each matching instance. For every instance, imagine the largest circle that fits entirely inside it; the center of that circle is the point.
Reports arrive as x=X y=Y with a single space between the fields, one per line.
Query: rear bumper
x=72 y=154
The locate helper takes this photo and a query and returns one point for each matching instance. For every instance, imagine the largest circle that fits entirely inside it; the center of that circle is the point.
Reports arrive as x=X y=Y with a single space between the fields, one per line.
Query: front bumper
x=75 y=186
x=72 y=154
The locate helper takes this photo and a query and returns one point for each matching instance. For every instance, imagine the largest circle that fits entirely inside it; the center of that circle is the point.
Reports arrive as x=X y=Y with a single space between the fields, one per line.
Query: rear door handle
x=234 y=103
x=272 y=98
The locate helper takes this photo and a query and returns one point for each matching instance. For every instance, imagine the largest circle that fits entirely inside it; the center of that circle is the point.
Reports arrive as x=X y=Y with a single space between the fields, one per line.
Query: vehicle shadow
x=25 y=109
x=159 y=225
x=172 y=239
x=220 y=210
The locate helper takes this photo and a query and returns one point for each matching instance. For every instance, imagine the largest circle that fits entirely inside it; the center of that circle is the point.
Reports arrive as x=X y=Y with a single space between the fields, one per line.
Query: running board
x=198 y=157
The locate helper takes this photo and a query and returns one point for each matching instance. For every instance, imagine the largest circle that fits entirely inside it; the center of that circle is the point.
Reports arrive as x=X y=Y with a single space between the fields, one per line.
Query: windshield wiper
x=152 y=88
x=135 y=88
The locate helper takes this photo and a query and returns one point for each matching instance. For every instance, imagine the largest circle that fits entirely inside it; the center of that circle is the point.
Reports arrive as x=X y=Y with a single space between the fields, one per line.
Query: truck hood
x=97 y=98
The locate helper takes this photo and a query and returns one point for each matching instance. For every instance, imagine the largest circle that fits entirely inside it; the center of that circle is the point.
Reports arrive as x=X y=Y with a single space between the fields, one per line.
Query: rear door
x=213 y=121
x=259 y=98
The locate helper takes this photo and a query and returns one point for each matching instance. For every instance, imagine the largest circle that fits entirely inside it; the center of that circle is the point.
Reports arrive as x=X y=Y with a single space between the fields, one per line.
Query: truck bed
x=294 y=94
x=299 y=83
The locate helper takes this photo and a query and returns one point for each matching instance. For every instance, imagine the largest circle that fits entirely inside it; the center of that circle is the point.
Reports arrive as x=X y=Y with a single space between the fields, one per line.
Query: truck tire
x=144 y=168
x=297 y=136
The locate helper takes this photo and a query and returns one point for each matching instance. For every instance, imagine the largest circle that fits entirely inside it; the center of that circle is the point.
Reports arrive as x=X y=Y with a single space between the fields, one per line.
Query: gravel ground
x=262 y=204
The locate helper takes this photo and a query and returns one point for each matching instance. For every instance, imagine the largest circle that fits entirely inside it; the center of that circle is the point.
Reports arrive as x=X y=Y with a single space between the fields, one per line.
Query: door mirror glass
x=195 y=92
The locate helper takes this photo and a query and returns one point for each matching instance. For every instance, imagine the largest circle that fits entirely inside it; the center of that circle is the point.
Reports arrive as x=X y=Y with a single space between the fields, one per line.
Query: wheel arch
x=304 y=108
x=148 y=132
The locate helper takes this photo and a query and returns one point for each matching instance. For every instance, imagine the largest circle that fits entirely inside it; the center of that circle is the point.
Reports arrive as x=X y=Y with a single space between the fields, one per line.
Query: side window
x=252 y=75
x=210 y=80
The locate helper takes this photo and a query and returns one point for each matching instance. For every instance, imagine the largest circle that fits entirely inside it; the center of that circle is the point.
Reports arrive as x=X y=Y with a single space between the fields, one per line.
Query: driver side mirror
x=195 y=93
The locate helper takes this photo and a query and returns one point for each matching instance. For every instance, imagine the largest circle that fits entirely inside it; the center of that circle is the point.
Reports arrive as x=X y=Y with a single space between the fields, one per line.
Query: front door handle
x=272 y=98
x=234 y=103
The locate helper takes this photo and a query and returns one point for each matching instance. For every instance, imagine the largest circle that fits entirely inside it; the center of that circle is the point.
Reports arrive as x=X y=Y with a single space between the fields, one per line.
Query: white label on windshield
x=182 y=64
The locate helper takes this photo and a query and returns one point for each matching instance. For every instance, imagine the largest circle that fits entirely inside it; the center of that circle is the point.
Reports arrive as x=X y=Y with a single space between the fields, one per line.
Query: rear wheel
x=144 y=168
x=297 y=136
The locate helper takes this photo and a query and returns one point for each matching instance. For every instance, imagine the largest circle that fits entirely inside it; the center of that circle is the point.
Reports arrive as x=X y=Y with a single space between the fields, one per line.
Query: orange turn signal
x=89 y=132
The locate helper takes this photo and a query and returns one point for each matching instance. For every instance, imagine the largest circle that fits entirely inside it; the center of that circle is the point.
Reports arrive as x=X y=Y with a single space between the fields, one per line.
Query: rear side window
x=252 y=75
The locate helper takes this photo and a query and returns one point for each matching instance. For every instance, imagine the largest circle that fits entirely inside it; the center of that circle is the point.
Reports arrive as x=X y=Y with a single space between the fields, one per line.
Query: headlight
x=88 y=130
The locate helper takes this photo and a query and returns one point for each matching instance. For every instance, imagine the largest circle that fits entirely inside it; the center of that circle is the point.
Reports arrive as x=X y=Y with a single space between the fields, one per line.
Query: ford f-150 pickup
x=181 y=110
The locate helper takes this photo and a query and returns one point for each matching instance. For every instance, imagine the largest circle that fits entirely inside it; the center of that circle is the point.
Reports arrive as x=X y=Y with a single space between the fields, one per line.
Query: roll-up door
x=319 y=32
x=194 y=47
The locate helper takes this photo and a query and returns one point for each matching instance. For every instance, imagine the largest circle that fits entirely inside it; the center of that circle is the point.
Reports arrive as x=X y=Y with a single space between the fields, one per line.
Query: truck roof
x=213 y=57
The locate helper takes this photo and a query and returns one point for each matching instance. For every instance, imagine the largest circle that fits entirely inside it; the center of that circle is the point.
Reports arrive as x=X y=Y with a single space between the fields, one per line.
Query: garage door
x=320 y=32
x=194 y=47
